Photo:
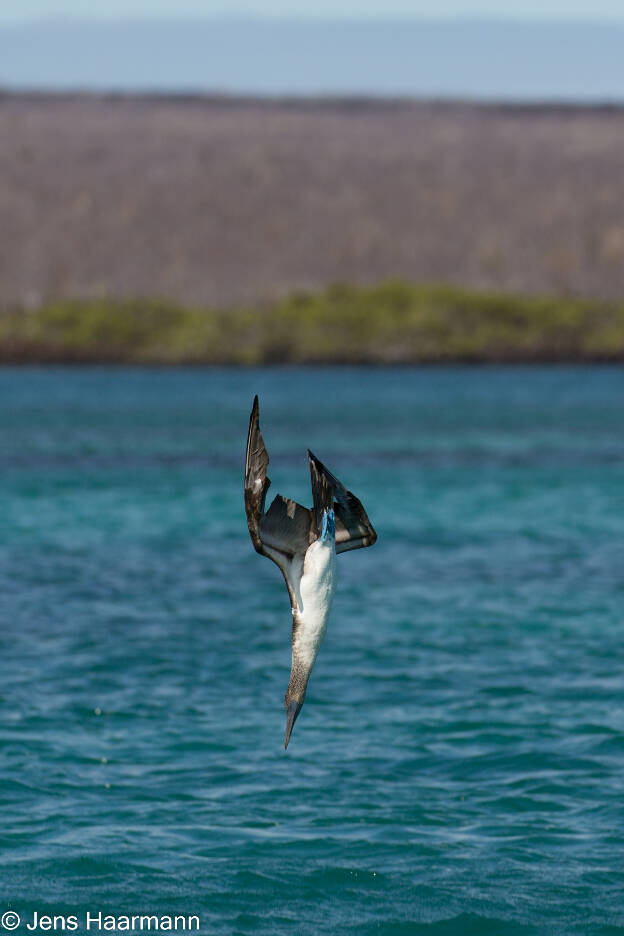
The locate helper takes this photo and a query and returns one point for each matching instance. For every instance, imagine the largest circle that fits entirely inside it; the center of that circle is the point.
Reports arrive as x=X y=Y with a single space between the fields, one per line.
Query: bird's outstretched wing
x=353 y=528
x=256 y=482
x=322 y=492
x=284 y=532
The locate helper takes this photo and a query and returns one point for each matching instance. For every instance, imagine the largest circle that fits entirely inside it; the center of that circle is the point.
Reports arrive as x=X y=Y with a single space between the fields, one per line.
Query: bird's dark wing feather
x=322 y=491
x=286 y=526
x=353 y=528
x=256 y=482
x=283 y=532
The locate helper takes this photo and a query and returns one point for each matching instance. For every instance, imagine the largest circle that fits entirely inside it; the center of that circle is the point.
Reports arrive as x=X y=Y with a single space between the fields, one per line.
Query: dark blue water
x=458 y=766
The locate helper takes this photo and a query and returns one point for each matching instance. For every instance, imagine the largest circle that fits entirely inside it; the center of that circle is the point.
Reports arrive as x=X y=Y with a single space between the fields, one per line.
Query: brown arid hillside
x=217 y=201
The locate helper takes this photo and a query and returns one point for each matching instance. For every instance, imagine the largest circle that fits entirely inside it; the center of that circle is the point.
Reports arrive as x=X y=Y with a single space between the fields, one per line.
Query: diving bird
x=303 y=542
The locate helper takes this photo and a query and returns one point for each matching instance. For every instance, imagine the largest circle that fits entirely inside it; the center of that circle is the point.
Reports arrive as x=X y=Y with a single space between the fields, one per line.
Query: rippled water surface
x=458 y=766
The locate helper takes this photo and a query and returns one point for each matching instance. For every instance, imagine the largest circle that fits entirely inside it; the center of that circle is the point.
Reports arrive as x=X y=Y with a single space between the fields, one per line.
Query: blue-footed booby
x=303 y=543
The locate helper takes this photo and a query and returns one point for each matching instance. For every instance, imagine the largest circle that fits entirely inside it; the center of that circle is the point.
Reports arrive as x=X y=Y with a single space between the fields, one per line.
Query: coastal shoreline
x=392 y=323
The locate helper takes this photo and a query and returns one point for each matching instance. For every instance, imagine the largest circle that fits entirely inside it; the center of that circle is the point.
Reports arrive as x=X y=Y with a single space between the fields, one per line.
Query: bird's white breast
x=316 y=591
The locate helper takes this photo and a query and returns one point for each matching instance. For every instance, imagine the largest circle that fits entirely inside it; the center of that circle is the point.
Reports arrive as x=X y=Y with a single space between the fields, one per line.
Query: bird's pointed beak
x=292 y=710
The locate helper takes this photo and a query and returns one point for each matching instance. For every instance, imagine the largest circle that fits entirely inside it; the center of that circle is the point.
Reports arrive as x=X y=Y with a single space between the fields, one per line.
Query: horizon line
x=515 y=19
x=331 y=98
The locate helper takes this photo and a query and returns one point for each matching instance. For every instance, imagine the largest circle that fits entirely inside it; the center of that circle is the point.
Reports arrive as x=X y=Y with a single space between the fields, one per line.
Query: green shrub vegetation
x=388 y=323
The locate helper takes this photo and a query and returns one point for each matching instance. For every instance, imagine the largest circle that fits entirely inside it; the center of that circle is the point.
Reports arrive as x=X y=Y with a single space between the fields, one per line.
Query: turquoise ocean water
x=458 y=766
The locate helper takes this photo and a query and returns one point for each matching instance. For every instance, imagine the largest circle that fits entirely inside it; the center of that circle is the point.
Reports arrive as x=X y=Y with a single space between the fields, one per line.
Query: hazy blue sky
x=560 y=9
